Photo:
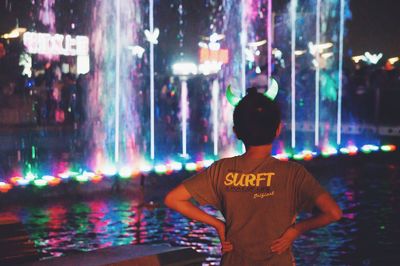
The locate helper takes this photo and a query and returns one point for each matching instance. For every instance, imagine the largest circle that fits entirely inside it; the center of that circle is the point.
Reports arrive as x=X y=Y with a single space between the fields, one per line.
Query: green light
x=368 y=148
x=82 y=178
x=125 y=172
x=231 y=97
x=298 y=156
x=160 y=169
x=30 y=176
x=40 y=182
x=388 y=148
x=272 y=90
x=33 y=152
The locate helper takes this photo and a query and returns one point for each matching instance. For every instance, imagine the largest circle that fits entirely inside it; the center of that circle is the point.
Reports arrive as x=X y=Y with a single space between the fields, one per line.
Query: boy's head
x=256 y=119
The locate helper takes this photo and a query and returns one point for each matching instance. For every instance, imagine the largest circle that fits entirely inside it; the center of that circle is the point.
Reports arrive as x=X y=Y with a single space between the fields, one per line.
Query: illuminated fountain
x=115 y=129
x=140 y=121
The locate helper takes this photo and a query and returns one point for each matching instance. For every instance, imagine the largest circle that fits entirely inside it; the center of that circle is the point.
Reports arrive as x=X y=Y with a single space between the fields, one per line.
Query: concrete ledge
x=15 y=245
x=132 y=255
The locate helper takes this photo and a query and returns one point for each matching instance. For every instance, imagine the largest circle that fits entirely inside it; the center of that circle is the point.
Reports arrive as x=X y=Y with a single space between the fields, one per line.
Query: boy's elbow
x=169 y=200
x=336 y=214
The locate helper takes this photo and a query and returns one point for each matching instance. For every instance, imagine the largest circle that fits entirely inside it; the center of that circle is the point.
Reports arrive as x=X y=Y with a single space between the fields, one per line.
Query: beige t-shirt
x=259 y=200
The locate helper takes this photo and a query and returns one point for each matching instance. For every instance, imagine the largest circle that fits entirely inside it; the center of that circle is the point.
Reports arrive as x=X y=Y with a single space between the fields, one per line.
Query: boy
x=258 y=195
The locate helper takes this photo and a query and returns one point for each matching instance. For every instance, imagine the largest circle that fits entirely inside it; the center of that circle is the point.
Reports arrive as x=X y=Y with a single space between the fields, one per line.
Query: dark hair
x=256 y=119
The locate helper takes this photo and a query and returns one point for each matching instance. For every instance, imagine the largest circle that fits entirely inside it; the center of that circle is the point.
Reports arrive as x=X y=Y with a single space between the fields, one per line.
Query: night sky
x=374 y=25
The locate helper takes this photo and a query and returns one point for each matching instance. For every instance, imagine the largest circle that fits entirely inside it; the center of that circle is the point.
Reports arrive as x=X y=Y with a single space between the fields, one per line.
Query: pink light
x=269 y=33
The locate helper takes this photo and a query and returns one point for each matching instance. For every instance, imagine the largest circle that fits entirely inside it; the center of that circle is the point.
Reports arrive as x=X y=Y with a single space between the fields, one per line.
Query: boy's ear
x=278 y=130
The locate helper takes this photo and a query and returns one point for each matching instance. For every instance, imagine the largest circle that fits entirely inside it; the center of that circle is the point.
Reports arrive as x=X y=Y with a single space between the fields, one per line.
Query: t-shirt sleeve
x=307 y=190
x=203 y=188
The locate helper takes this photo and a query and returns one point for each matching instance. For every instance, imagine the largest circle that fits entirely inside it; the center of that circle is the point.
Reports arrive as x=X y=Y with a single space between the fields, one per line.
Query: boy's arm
x=330 y=212
x=179 y=200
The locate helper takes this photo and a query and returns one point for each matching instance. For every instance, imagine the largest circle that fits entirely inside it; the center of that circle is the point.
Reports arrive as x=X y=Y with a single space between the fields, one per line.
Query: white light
x=15 y=33
x=373 y=58
x=358 y=58
x=184 y=69
x=314 y=48
x=83 y=64
x=25 y=60
x=207 y=163
x=137 y=50
x=160 y=168
x=184 y=114
x=209 y=67
x=299 y=52
x=203 y=45
x=48 y=177
x=393 y=60
x=176 y=166
x=146 y=168
x=249 y=55
x=215 y=113
x=258 y=70
x=57 y=44
x=125 y=171
x=257 y=44
x=152 y=37
x=326 y=55
x=109 y=170
x=215 y=37
x=368 y=58
x=215 y=46
x=277 y=53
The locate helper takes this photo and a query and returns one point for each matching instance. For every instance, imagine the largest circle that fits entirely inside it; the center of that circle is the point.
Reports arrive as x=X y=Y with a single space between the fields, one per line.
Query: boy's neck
x=258 y=152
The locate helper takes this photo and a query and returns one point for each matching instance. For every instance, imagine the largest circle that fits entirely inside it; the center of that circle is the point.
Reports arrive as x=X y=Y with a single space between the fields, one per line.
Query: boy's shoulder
x=290 y=165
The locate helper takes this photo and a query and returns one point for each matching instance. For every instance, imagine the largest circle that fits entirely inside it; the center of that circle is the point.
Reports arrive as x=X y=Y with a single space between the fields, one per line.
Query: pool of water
x=368 y=190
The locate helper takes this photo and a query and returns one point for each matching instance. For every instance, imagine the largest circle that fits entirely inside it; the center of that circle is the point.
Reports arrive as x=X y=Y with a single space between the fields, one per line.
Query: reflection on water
x=367 y=235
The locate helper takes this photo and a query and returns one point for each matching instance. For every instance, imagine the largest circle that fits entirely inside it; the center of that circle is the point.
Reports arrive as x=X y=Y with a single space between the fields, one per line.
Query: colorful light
x=40 y=182
x=48 y=177
x=190 y=167
x=307 y=155
x=68 y=174
x=23 y=182
x=298 y=156
x=96 y=178
x=388 y=148
x=54 y=182
x=145 y=168
x=30 y=176
x=85 y=176
x=125 y=172
x=207 y=163
x=160 y=169
x=109 y=170
x=368 y=148
x=328 y=151
x=5 y=187
x=282 y=156
x=176 y=166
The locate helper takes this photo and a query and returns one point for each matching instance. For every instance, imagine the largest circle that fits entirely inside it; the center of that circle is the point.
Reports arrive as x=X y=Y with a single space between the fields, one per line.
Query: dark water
x=368 y=190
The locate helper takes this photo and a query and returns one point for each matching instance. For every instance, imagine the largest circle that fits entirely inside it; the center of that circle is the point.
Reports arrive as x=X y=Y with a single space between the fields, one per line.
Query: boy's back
x=258 y=195
x=259 y=199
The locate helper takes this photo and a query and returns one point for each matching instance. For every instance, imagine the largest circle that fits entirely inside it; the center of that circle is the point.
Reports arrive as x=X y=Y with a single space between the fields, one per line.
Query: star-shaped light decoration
x=152 y=37
x=136 y=50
